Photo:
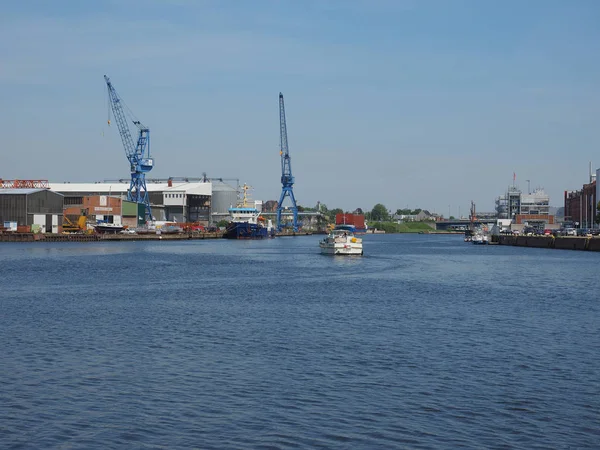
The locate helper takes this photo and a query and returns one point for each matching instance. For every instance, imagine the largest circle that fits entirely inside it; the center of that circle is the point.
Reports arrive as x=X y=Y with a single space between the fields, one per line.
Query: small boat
x=105 y=228
x=480 y=239
x=247 y=222
x=341 y=241
x=168 y=228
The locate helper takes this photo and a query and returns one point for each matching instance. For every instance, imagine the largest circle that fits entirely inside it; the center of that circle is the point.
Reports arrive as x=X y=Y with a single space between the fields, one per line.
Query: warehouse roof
x=199 y=188
x=20 y=191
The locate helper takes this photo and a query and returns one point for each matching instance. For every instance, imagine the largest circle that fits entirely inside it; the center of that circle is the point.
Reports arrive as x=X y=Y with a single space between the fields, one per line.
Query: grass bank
x=406 y=227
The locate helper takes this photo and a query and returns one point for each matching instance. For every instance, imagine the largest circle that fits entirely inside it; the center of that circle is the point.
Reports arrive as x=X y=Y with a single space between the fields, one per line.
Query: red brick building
x=581 y=206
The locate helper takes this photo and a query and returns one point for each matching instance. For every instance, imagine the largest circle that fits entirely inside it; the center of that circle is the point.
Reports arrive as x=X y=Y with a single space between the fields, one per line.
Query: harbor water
x=426 y=342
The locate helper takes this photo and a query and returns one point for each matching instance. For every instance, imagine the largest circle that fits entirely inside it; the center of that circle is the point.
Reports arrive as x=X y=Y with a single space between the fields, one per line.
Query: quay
x=95 y=237
x=75 y=237
x=561 y=242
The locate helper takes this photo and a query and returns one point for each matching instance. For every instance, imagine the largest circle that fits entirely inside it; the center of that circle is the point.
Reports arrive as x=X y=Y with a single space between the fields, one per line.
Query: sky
x=425 y=104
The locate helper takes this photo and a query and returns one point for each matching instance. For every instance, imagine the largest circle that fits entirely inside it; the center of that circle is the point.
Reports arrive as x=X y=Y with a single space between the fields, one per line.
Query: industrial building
x=205 y=201
x=103 y=208
x=581 y=206
x=38 y=210
x=532 y=208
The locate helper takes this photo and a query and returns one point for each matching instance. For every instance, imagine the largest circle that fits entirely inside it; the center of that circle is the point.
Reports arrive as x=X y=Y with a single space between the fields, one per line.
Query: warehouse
x=35 y=210
x=175 y=199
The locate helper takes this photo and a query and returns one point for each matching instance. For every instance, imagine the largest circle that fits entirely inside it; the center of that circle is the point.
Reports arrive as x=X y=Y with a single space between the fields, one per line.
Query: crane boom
x=287 y=179
x=137 y=154
x=286 y=164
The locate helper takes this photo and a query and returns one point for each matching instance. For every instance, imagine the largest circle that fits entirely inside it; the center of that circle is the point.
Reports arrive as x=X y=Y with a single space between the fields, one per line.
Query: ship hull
x=245 y=230
x=108 y=229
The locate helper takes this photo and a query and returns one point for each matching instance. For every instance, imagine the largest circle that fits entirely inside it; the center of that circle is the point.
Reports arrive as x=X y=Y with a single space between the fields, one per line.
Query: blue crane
x=287 y=180
x=138 y=154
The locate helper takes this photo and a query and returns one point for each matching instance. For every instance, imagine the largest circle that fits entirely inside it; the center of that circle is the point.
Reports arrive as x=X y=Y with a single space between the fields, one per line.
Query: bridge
x=463 y=225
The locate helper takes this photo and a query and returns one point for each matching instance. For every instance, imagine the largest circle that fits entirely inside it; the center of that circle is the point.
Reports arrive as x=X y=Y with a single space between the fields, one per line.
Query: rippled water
x=426 y=342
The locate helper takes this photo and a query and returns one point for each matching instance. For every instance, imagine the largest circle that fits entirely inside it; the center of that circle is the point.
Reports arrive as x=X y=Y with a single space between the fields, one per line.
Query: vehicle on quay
x=247 y=223
x=342 y=240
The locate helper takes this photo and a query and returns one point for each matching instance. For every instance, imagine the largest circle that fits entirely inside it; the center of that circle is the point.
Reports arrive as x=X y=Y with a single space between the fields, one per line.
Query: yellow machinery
x=74 y=224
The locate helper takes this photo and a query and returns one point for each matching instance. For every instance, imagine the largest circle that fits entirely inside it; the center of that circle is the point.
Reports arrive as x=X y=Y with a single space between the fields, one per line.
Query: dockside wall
x=562 y=242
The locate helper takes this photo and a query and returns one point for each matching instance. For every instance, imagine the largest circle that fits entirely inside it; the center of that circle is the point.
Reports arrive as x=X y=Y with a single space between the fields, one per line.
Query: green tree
x=379 y=213
x=332 y=213
x=222 y=223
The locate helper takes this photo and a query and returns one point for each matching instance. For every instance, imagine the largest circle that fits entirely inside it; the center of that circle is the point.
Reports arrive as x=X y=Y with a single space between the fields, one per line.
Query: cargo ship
x=247 y=222
x=356 y=220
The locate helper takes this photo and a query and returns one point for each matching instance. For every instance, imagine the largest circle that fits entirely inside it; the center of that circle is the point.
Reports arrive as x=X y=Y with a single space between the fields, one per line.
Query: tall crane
x=138 y=154
x=287 y=180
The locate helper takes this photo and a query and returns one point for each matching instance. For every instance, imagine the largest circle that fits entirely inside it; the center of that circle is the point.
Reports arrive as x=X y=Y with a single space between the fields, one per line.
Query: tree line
x=379 y=213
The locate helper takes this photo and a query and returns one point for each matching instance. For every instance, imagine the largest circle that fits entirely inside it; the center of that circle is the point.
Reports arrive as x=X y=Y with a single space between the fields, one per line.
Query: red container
x=358 y=220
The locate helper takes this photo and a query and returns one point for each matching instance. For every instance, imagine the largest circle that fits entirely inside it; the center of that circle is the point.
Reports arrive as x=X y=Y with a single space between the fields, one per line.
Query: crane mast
x=137 y=154
x=287 y=179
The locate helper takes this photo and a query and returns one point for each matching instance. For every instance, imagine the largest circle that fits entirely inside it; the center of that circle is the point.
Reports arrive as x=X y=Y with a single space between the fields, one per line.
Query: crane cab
x=146 y=164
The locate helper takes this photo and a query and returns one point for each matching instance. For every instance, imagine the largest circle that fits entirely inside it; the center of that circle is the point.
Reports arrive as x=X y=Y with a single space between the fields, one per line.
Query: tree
x=379 y=213
x=332 y=213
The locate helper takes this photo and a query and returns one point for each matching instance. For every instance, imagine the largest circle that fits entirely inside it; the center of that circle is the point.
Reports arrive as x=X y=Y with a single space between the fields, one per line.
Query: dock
x=585 y=243
x=95 y=237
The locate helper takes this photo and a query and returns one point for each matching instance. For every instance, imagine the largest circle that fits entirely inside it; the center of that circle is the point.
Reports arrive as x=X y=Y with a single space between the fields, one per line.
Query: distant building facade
x=531 y=208
x=581 y=206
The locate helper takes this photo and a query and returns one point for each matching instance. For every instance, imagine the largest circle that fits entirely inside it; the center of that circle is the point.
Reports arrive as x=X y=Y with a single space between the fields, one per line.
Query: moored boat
x=105 y=227
x=480 y=239
x=247 y=222
x=342 y=241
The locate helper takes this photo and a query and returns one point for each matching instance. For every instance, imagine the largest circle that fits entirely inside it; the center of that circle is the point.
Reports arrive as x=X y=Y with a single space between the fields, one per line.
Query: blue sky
x=408 y=103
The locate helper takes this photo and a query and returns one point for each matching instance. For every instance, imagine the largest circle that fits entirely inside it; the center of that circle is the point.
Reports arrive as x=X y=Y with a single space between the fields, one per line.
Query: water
x=426 y=342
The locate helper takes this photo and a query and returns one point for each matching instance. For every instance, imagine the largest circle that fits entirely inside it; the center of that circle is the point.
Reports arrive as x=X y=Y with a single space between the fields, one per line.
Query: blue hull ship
x=247 y=222
x=246 y=230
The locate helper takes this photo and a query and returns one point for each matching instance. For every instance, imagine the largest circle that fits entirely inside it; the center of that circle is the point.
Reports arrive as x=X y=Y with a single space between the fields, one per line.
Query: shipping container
x=358 y=220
